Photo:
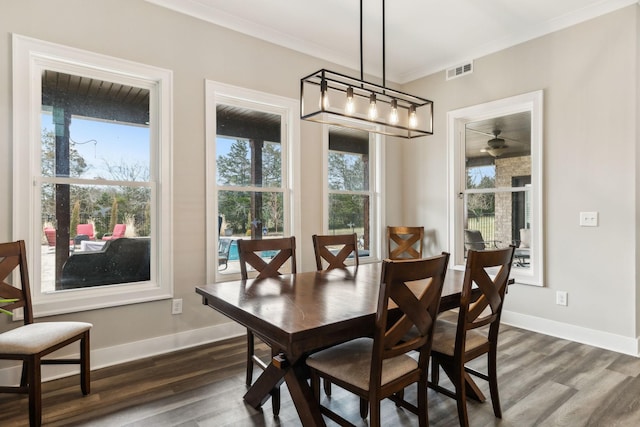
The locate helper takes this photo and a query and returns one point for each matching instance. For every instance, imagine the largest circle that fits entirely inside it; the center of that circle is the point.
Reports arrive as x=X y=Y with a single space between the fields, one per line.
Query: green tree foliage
x=75 y=218
x=234 y=169
x=113 y=215
x=77 y=166
x=479 y=204
x=347 y=172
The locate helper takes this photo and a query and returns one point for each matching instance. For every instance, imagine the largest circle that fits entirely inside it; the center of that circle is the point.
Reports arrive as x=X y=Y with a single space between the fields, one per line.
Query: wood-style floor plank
x=543 y=381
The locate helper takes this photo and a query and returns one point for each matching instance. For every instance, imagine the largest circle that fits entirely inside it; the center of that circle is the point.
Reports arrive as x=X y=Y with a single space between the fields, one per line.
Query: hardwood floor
x=544 y=381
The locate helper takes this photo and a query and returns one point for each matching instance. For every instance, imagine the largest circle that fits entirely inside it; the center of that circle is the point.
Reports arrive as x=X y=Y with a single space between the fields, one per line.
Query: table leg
x=260 y=391
x=473 y=391
x=303 y=398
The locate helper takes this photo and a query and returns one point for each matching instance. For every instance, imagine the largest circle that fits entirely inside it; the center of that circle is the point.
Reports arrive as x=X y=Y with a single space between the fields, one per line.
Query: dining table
x=296 y=314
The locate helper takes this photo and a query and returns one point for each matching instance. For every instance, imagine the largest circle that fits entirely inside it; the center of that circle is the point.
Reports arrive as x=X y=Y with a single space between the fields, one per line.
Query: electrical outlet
x=561 y=297
x=588 y=219
x=176 y=306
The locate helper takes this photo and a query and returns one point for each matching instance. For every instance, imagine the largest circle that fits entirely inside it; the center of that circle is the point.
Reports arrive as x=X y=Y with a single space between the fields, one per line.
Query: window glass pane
x=234 y=163
x=349 y=213
x=248 y=148
x=84 y=252
x=348 y=160
x=94 y=128
x=94 y=234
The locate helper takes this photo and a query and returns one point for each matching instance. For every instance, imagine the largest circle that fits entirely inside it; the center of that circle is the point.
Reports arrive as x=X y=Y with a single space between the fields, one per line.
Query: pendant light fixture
x=330 y=97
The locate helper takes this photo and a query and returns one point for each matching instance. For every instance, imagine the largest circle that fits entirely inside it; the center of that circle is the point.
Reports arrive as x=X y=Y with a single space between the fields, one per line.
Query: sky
x=101 y=143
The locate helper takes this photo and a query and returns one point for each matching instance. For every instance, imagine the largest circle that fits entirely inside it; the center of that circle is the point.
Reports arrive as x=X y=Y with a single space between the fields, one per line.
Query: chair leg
x=24 y=377
x=85 y=364
x=435 y=371
x=327 y=387
x=493 y=383
x=461 y=394
x=374 y=417
x=35 y=392
x=364 y=409
x=423 y=404
x=250 y=351
x=275 y=401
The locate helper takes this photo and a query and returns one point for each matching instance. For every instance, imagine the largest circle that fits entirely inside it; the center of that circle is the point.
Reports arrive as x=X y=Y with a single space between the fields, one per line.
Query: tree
x=113 y=220
x=479 y=204
x=75 y=217
x=77 y=166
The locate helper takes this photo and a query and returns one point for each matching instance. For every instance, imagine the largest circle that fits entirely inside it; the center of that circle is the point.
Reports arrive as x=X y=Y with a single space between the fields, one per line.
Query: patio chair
x=473 y=240
x=50 y=234
x=84 y=230
x=118 y=232
x=224 y=248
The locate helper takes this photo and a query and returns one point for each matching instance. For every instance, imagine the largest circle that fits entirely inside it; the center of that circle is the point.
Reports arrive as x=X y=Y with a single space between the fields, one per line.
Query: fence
x=486 y=225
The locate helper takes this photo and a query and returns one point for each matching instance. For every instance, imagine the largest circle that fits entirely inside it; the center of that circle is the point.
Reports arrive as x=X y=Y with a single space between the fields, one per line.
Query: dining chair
x=405 y=242
x=334 y=250
x=30 y=342
x=380 y=367
x=252 y=253
x=475 y=332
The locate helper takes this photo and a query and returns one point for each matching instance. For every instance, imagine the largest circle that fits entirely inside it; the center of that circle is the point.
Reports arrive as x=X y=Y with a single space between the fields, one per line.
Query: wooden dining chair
x=334 y=250
x=379 y=367
x=251 y=253
x=405 y=242
x=31 y=342
x=476 y=331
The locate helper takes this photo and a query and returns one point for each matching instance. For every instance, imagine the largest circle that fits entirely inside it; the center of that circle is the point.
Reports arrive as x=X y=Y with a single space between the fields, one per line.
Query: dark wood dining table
x=299 y=313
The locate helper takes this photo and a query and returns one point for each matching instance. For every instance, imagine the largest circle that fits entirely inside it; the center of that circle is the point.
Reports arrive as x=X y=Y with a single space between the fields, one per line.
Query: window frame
x=375 y=192
x=30 y=58
x=456 y=121
x=287 y=108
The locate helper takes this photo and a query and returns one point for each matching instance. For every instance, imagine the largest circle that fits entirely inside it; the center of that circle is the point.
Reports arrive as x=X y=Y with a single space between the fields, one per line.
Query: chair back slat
x=475 y=314
x=412 y=288
x=343 y=246
x=405 y=242
x=248 y=253
x=14 y=255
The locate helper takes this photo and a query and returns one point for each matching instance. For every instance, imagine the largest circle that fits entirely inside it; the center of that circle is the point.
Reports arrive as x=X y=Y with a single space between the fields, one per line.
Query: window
x=497 y=198
x=250 y=156
x=352 y=196
x=92 y=161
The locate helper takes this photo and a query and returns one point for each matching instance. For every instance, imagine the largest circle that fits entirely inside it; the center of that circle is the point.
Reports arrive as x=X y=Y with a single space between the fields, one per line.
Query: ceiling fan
x=496 y=146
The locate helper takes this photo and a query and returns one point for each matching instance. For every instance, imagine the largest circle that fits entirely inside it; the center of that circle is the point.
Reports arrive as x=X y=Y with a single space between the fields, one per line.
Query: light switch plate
x=588 y=219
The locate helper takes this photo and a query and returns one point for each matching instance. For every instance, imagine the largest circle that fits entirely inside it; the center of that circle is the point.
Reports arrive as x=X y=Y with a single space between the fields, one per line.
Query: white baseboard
x=606 y=340
x=104 y=357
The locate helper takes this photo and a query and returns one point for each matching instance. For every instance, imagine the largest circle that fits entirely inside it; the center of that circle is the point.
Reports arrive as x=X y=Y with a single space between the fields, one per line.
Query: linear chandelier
x=329 y=97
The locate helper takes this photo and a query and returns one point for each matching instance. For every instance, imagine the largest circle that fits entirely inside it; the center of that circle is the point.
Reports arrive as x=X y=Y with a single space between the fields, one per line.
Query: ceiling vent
x=460 y=70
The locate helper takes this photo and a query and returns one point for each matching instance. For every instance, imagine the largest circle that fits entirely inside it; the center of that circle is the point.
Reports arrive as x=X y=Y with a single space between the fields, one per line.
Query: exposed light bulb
x=393 y=116
x=324 y=96
x=350 y=107
x=373 y=108
x=413 y=117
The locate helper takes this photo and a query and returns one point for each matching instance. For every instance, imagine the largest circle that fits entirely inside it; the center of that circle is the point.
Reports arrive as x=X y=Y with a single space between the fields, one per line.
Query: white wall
x=589 y=76
x=195 y=50
x=588 y=73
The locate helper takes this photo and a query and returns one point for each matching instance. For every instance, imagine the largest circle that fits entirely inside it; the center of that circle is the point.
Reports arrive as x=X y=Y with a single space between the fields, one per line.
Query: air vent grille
x=460 y=70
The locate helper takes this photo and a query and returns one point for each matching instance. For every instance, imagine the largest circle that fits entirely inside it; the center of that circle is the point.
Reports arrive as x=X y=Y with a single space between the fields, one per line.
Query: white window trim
x=287 y=108
x=30 y=57
x=376 y=193
x=456 y=121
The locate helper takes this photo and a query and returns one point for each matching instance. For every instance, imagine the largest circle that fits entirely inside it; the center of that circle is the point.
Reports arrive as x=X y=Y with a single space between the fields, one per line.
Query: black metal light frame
x=327 y=96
